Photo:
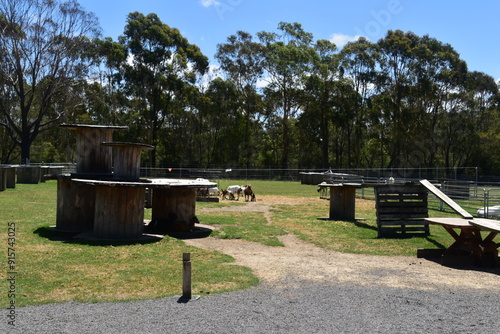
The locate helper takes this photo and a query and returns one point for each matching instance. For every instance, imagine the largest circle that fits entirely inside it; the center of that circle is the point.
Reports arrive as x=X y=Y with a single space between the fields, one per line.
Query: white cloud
x=208 y=3
x=340 y=39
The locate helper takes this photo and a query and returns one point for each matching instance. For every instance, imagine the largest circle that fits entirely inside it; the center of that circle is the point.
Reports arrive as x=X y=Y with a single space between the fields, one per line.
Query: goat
x=248 y=193
x=227 y=194
x=235 y=190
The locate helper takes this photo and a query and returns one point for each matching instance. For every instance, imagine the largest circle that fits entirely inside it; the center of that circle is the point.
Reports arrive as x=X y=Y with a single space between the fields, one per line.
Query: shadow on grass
x=359 y=223
x=74 y=238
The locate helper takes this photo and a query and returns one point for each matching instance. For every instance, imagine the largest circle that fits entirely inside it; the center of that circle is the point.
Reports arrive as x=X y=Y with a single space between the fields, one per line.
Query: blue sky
x=469 y=26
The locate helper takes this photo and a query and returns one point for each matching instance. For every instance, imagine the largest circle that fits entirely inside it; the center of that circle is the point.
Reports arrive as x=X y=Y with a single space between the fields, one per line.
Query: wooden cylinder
x=119 y=212
x=28 y=174
x=127 y=159
x=342 y=202
x=174 y=208
x=92 y=157
x=75 y=205
x=3 y=178
x=11 y=177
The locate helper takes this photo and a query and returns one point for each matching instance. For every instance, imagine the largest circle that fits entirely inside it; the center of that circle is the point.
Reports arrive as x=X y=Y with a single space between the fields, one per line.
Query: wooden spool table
x=119 y=205
x=174 y=203
x=76 y=201
x=342 y=200
x=118 y=208
x=92 y=157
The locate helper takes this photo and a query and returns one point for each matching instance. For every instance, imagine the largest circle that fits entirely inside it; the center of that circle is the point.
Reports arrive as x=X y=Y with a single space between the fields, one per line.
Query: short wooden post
x=186 y=276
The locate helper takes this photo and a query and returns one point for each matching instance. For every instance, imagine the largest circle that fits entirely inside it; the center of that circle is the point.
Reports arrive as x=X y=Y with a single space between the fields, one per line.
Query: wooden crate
x=401 y=210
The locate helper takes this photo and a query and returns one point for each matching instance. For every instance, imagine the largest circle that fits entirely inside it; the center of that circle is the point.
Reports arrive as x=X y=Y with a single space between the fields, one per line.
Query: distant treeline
x=278 y=99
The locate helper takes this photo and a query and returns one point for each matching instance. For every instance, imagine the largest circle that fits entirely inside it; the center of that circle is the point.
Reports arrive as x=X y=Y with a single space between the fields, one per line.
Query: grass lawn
x=54 y=271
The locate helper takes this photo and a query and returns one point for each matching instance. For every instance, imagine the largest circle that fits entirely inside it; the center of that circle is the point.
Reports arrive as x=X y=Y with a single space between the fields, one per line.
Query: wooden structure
x=401 y=210
x=469 y=242
x=443 y=197
x=29 y=174
x=3 y=178
x=342 y=200
x=127 y=159
x=8 y=176
x=92 y=157
x=75 y=205
x=76 y=201
x=174 y=208
x=118 y=208
x=107 y=197
x=119 y=203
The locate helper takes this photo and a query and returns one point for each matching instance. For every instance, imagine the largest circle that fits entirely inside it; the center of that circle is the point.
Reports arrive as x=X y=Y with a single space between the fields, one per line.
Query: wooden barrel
x=127 y=159
x=119 y=212
x=3 y=178
x=342 y=202
x=11 y=177
x=174 y=208
x=75 y=205
x=27 y=174
x=92 y=157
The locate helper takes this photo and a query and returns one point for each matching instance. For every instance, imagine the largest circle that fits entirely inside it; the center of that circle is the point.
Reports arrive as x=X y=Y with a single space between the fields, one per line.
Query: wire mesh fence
x=478 y=194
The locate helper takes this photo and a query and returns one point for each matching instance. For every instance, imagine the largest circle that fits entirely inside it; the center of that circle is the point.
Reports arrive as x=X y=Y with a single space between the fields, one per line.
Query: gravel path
x=304 y=289
x=299 y=307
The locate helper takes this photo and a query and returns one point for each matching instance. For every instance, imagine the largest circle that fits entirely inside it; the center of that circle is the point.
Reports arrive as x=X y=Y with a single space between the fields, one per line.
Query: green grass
x=55 y=271
x=52 y=268
x=353 y=237
x=274 y=188
x=250 y=226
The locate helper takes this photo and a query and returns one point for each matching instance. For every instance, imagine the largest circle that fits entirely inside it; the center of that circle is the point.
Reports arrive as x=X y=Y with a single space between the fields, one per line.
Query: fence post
x=486 y=202
x=186 y=276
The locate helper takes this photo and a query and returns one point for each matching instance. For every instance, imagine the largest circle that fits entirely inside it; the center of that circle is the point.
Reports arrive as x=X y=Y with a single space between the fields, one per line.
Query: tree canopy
x=279 y=99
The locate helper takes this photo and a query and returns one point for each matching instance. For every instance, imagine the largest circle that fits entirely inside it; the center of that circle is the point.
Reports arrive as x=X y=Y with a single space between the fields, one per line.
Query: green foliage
x=283 y=99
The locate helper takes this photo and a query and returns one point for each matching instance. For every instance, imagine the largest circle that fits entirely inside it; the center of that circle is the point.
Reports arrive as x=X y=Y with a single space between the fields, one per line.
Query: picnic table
x=469 y=240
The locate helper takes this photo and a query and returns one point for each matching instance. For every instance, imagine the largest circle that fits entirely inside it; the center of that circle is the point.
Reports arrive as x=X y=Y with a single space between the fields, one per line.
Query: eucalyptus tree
x=419 y=74
x=358 y=65
x=468 y=129
x=159 y=72
x=287 y=58
x=43 y=56
x=240 y=59
x=321 y=108
x=221 y=125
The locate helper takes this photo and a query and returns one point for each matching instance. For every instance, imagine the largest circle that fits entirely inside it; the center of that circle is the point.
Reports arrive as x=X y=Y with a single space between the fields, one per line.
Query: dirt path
x=304 y=261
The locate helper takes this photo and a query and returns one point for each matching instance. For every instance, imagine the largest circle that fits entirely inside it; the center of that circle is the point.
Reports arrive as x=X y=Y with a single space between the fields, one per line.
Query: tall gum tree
x=43 y=56
x=240 y=59
x=160 y=69
x=287 y=58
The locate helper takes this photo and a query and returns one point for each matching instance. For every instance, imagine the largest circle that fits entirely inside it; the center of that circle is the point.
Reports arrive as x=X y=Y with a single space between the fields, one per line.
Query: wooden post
x=186 y=276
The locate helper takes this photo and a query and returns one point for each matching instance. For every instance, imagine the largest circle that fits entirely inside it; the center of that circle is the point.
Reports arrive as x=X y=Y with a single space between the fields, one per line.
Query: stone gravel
x=295 y=307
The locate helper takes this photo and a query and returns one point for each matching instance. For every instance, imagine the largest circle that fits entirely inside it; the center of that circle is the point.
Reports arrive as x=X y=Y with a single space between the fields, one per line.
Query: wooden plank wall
x=401 y=210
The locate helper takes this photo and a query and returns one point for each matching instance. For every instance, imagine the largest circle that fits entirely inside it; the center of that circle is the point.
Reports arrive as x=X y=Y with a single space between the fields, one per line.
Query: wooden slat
x=443 y=197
